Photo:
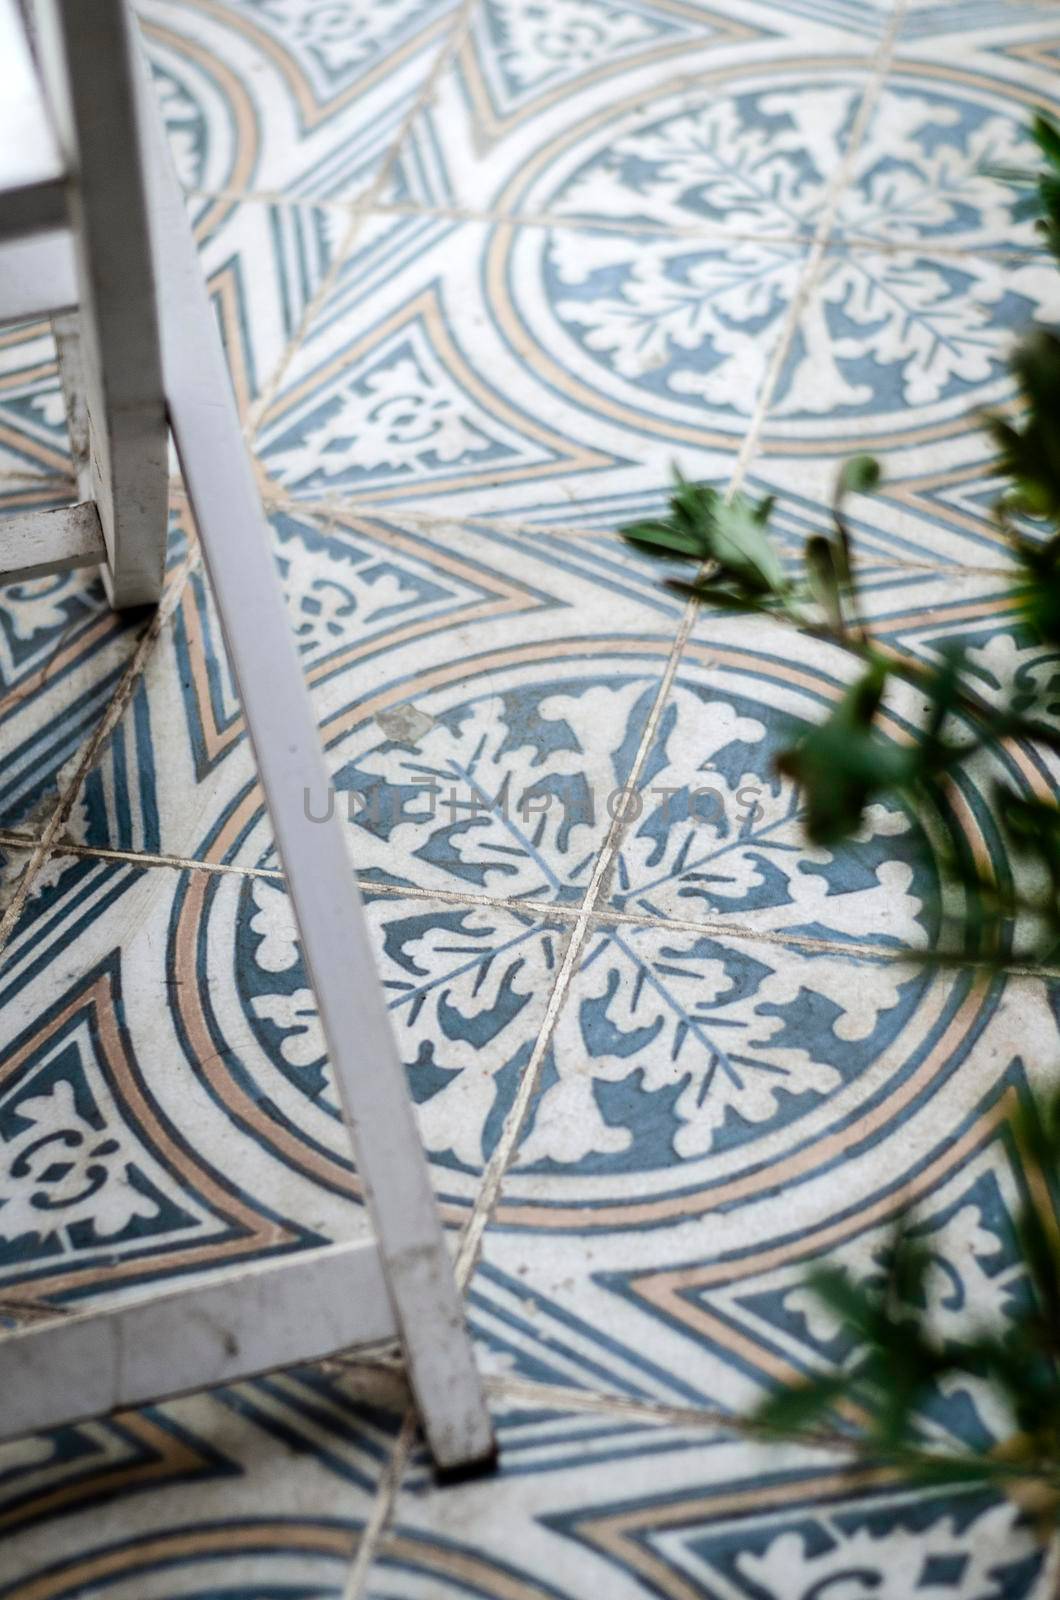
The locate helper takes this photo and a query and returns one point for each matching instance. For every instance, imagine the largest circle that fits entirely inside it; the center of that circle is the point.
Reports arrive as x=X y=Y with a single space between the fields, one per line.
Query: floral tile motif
x=498 y=366
x=520 y=61
x=898 y=347
x=688 y=1062
x=476 y=734
x=162 y=1000
x=33 y=439
x=653 y=1272
x=735 y=122
x=586 y=1506
x=261 y=1488
x=274 y=97
x=714 y=835
x=483 y=275
x=63 y=652
x=922 y=173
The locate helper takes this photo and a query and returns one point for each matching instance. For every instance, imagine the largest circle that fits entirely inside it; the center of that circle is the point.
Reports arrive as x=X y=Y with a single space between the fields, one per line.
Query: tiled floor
x=485 y=269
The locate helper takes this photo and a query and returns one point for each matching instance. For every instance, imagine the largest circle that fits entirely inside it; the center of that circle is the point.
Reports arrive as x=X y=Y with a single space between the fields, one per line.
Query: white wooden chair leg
x=96 y=119
x=128 y=348
x=335 y=940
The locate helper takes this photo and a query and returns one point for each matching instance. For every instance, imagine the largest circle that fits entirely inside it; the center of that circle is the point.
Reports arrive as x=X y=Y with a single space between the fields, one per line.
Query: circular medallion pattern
x=707 y=202
x=502 y=782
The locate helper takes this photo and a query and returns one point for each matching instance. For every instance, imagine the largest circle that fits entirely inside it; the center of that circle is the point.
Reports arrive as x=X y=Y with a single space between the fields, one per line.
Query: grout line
x=810 y=276
x=359 y=214
x=505 y=1148
x=386 y=1493
x=126 y=687
x=364 y=206
x=556 y=1396
x=333 y=507
x=553 y=911
x=389 y=1484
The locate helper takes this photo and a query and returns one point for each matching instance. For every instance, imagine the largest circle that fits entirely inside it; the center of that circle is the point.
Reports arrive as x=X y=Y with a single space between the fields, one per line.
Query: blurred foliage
x=847 y=763
x=898 y=1363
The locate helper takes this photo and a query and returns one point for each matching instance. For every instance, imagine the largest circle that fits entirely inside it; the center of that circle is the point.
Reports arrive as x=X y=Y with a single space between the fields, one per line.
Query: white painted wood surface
x=334 y=936
x=268 y=1314
x=38 y=276
x=271 y=1315
x=50 y=541
x=86 y=53
x=32 y=170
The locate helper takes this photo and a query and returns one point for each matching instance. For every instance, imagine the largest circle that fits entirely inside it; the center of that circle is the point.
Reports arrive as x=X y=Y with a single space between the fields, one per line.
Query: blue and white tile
x=476 y=724
x=956 y=27
x=263 y=264
x=498 y=365
x=923 y=174
x=280 y=98
x=263 y=1488
x=714 y=836
x=662 y=115
x=896 y=349
x=927 y=513
x=663 y=1258
x=162 y=1023
x=587 y=1505
x=63 y=653
x=33 y=436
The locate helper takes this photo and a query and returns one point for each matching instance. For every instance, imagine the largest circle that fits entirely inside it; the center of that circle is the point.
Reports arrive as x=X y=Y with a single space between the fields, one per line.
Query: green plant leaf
x=859 y=475
x=740 y=543
x=667 y=539
x=1030 y=449
x=1046 y=135
x=841 y=765
x=703 y=525
x=824 y=569
x=802 y=1404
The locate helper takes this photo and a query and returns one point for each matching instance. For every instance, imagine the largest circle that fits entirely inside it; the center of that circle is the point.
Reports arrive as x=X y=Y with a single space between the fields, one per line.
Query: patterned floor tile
x=925 y=514
x=62 y=654
x=1004 y=21
x=713 y=834
x=161 y=1023
x=663 y=115
x=921 y=176
x=33 y=438
x=668 y=1261
x=477 y=726
x=261 y=1489
x=264 y=264
x=484 y=274
x=280 y=98
x=471 y=369
x=591 y=1505
x=897 y=348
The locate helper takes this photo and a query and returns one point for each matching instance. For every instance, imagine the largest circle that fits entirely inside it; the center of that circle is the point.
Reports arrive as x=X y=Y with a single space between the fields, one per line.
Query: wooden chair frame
x=93 y=218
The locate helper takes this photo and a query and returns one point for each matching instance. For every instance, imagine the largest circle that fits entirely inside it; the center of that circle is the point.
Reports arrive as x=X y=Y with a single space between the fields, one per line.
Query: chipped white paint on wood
x=67 y=331
x=50 y=541
x=86 y=53
x=38 y=276
x=268 y=1314
x=361 y=1047
x=32 y=171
